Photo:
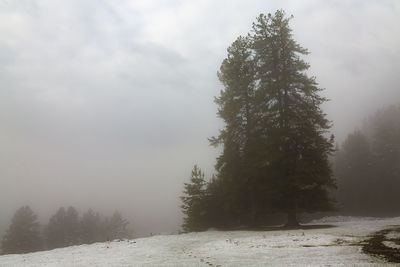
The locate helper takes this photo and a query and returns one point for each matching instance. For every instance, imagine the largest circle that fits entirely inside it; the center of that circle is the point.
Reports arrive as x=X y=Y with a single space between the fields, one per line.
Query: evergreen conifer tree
x=72 y=227
x=91 y=228
x=355 y=176
x=116 y=227
x=275 y=149
x=194 y=202
x=294 y=126
x=63 y=229
x=386 y=152
x=237 y=108
x=56 y=232
x=23 y=235
x=367 y=167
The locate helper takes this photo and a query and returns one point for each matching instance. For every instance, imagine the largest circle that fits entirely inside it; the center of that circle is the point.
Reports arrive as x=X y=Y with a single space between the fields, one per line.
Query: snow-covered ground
x=325 y=246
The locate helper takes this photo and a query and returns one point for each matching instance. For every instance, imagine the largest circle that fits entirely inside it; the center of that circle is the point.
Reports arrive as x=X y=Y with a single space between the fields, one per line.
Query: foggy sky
x=109 y=104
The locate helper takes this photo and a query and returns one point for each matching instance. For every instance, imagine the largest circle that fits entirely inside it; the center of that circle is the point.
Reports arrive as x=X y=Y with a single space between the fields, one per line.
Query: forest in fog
x=367 y=166
x=65 y=228
x=186 y=118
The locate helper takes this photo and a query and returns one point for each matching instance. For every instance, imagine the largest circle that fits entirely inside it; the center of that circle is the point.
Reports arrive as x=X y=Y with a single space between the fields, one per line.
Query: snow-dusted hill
x=324 y=246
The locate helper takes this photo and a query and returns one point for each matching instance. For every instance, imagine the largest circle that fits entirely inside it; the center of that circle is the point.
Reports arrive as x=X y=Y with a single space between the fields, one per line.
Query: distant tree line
x=367 y=167
x=275 y=142
x=65 y=228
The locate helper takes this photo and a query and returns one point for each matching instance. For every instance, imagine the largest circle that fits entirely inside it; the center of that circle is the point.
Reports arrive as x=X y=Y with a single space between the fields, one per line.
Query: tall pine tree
x=237 y=108
x=294 y=124
x=275 y=149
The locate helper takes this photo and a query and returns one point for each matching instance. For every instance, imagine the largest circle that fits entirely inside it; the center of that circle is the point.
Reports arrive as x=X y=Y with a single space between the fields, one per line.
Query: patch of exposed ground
x=385 y=244
x=283 y=228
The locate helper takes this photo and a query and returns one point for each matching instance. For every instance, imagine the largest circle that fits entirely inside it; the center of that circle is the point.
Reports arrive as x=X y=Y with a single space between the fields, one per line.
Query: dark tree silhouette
x=368 y=169
x=91 y=228
x=23 y=234
x=194 y=202
x=116 y=227
x=63 y=229
x=55 y=231
x=72 y=227
x=275 y=149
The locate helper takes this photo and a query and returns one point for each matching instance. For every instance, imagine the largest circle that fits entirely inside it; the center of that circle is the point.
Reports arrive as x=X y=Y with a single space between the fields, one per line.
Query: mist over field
x=108 y=105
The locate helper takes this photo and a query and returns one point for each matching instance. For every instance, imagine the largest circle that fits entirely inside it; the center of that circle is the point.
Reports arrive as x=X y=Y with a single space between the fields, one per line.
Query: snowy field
x=334 y=246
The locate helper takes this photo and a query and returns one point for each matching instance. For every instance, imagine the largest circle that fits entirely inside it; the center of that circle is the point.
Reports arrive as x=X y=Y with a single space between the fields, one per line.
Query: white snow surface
x=336 y=246
x=391 y=244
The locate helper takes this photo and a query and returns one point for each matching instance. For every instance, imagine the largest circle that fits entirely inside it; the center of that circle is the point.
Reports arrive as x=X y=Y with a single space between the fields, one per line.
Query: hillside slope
x=322 y=246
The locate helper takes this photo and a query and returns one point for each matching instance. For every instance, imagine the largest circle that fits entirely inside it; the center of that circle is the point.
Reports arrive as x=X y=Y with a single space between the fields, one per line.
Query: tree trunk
x=292 y=219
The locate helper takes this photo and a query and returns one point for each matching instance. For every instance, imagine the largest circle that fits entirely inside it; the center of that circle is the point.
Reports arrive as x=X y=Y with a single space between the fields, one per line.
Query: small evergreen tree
x=23 y=234
x=56 y=232
x=116 y=227
x=194 y=202
x=63 y=229
x=91 y=228
x=72 y=227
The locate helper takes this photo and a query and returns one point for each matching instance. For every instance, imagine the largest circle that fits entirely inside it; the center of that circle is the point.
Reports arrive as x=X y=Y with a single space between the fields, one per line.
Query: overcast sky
x=109 y=104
